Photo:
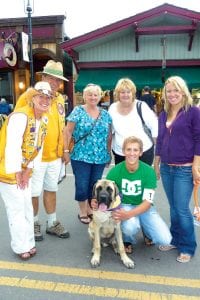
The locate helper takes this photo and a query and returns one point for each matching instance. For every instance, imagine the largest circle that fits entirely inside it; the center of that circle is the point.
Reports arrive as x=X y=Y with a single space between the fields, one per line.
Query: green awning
x=107 y=78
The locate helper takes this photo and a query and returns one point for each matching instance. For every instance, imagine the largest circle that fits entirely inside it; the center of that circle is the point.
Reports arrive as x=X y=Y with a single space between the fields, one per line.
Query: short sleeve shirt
x=131 y=185
x=94 y=147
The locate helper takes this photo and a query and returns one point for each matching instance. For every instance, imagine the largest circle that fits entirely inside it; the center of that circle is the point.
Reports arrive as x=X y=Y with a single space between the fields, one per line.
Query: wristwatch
x=66 y=151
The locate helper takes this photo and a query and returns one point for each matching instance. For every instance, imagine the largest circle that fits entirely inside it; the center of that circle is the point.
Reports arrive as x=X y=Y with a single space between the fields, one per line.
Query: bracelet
x=66 y=151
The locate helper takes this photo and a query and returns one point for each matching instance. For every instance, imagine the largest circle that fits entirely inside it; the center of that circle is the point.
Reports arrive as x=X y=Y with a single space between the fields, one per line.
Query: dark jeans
x=146 y=157
x=86 y=176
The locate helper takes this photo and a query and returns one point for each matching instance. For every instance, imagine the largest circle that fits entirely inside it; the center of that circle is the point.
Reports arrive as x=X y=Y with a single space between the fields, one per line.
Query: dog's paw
x=129 y=263
x=95 y=261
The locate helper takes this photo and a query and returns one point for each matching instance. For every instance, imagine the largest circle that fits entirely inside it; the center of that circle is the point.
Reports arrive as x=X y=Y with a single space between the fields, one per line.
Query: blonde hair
x=181 y=86
x=91 y=88
x=132 y=140
x=124 y=83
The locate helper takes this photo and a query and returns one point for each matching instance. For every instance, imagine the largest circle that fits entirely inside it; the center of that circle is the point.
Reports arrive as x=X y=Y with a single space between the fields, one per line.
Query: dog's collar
x=115 y=208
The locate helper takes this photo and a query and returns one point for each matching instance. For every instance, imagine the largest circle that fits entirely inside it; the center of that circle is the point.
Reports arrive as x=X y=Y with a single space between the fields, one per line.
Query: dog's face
x=105 y=192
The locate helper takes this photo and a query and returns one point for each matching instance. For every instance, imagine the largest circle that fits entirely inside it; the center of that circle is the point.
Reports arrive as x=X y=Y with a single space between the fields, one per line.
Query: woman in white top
x=127 y=122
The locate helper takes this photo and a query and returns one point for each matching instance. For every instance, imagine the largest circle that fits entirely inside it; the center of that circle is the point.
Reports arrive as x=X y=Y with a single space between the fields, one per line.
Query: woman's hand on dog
x=94 y=204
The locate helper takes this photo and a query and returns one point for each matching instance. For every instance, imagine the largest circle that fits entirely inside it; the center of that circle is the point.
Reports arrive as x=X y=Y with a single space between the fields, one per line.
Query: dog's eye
x=109 y=189
x=99 y=188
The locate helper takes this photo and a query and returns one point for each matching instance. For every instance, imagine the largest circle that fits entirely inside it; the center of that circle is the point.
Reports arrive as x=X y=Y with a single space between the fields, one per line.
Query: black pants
x=146 y=157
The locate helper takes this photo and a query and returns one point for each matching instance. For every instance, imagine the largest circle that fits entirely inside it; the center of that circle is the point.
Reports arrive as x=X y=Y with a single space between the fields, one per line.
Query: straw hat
x=41 y=87
x=54 y=69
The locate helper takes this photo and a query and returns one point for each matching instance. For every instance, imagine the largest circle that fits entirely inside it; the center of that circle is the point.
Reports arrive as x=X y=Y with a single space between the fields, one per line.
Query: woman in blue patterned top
x=91 y=128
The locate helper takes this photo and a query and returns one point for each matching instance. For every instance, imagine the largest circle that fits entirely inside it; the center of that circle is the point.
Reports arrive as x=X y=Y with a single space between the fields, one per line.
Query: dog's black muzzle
x=104 y=197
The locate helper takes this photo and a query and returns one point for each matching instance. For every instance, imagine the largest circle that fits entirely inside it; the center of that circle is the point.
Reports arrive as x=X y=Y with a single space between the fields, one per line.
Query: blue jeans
x=86 y=175
x=152 y=224
x=178 y=185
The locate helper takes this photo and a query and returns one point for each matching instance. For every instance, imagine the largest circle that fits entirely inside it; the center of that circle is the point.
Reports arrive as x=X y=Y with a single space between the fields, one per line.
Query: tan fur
x=104 y=226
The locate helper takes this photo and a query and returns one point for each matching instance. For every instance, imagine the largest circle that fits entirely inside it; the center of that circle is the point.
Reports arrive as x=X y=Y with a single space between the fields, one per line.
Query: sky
x=83 y=16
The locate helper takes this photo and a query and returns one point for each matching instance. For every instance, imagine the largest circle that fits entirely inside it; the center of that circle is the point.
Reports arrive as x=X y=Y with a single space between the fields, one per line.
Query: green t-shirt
x=132 y=185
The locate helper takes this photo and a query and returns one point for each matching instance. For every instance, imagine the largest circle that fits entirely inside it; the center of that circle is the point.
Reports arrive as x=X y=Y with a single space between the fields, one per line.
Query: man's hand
x=157 y=170
x=66 y=158
x=120 y=214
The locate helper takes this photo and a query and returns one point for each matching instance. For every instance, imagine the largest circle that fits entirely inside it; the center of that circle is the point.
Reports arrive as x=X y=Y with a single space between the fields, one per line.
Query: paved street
x=61 y=269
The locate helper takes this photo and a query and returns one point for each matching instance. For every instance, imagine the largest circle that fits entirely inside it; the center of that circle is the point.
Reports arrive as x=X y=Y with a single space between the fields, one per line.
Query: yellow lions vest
x=29 y=150
x=53 y=144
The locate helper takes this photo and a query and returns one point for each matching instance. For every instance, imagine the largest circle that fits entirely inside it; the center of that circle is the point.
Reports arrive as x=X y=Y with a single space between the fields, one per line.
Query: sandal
x=148 y=242
x=33 y=251
x=128 y=248
x=90 y=216
x=184 y=258
x=24 y=256
x=166 y=247
x=84 y=219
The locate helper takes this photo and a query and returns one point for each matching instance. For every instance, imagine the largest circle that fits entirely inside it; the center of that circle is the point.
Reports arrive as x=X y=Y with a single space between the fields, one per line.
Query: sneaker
x=57 y=229
x=37 y=232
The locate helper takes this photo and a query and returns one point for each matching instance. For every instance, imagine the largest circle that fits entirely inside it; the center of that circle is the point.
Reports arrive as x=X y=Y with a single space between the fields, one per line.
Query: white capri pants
x=19 y=210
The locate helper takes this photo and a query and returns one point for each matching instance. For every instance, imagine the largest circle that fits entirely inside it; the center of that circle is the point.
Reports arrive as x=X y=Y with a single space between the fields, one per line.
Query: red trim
x=128 y=22
x=74 y=54
x=42 y=32
x=134 y=64
x=165 y=30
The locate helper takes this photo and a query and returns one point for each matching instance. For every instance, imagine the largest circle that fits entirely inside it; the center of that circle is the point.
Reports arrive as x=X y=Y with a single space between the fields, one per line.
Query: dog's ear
x=116 y=189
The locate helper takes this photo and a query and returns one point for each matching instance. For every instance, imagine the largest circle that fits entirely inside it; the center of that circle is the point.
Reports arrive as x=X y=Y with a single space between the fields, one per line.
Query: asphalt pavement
x=61 y=269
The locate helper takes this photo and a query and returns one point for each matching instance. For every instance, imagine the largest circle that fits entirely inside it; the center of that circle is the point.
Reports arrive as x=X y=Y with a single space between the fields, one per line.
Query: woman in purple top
x=178 y=162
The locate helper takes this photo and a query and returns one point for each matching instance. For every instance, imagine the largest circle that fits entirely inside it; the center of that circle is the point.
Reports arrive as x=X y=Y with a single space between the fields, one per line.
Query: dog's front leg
x=129 y=263
x=95 y=261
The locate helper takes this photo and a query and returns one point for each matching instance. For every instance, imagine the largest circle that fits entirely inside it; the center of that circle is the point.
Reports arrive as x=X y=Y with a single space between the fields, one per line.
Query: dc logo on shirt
x=131 y=188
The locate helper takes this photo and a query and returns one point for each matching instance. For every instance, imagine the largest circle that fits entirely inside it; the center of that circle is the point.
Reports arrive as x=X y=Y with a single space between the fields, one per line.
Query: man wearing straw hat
x=45 y=178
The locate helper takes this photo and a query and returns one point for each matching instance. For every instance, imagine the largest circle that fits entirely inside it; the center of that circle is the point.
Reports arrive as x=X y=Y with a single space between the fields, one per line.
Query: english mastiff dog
x=103 y=229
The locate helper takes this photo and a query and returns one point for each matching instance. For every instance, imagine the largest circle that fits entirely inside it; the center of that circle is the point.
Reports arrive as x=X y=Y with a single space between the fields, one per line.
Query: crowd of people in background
x=144 y=142
x=5 y=107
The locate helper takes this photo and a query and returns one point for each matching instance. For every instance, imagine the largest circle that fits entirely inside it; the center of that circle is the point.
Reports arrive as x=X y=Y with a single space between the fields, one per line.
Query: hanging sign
x=25 y=55
x=9 y=54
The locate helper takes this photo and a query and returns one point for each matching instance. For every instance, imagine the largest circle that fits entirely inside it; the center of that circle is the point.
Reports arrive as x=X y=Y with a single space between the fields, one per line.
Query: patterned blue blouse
x=93 y=148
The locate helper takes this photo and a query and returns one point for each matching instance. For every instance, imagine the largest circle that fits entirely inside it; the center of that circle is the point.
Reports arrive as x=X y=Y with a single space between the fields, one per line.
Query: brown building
x=47 y=34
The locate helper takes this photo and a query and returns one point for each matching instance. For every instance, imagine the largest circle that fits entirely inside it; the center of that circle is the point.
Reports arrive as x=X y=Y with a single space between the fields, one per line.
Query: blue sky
x=83 y=16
